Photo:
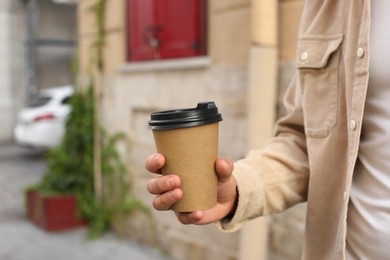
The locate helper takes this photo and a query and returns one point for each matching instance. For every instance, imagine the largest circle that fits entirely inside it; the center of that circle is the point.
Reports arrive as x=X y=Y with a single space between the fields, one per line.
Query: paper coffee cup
x=188 y=139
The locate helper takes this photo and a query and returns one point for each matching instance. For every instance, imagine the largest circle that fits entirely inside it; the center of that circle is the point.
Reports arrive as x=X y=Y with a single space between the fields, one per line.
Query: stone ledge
x=166 y=65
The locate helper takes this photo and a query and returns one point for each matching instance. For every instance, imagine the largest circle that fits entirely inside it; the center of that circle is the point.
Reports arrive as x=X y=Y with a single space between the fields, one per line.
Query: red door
x=161 y=29
x=141 y=17
x=180 y=22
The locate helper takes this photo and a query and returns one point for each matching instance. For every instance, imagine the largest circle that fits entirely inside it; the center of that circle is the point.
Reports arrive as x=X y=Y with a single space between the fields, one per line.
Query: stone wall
x=11 y=65
x=131 y=91
x=132 y=97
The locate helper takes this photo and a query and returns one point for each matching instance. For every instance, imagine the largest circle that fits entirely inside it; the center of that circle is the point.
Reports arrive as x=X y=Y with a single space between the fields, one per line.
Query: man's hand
x=168 y=192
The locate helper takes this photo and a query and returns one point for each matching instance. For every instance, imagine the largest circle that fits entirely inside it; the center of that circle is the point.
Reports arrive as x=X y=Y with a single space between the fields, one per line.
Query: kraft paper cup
x=188 y=139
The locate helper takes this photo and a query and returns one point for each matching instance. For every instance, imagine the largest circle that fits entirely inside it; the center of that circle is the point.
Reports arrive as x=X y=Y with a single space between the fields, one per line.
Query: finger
x=163 y=184
x=224 y=169
x=155 y=162
x=190 y=218
x=166 y=200
x=202 y=217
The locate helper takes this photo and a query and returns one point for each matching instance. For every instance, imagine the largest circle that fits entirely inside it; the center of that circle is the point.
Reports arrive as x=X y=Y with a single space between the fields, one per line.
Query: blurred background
x=138 y=56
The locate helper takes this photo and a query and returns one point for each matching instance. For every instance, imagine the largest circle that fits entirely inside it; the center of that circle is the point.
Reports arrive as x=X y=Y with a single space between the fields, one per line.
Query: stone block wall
x=12 y=83
x=132 y=97
x=133 y=90
x=115 y=40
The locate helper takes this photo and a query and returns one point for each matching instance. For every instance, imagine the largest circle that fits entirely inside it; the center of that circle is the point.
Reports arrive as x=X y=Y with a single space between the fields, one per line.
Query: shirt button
x=352 y=125
x=360 y=52
x=304 y=55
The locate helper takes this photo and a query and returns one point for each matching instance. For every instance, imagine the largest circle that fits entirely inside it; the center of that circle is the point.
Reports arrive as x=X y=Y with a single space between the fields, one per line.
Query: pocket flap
x=314 y=50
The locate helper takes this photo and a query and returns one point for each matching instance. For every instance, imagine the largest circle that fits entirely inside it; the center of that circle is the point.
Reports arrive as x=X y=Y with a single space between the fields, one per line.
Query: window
x=164 y=29
x=39 y=101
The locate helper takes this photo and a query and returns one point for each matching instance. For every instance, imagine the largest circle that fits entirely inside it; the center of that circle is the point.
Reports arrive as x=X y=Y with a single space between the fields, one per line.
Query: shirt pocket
x=318 y=58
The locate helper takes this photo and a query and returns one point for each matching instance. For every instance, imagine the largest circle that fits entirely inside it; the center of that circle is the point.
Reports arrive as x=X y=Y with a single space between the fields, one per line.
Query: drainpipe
x=261 y=108
x=31 y=25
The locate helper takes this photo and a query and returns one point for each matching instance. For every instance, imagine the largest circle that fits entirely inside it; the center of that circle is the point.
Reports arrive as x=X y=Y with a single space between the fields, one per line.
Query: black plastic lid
x=205 y=113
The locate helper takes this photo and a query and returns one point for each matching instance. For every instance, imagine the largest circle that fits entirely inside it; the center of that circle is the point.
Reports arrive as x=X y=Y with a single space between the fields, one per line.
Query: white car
x=41 y=124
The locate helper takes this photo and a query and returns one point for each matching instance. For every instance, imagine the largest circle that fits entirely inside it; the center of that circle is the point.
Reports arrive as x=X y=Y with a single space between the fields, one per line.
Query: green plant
x=70 y=169
x=99 y=9
x=117 y=189
x=70 y=165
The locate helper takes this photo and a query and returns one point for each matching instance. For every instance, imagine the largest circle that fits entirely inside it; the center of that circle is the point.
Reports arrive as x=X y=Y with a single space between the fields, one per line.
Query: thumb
x=224 y=168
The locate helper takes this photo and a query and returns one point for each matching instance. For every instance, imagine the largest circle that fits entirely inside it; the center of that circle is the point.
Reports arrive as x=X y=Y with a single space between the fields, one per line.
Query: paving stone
x=21 y=240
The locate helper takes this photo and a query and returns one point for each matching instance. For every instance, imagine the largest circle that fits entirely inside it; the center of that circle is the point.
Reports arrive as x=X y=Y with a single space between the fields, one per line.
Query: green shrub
x=70 y=165
x=71 y=169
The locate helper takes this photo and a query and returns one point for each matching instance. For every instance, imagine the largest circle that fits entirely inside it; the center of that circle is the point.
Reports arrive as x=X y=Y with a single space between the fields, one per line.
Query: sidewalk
x=21 y=240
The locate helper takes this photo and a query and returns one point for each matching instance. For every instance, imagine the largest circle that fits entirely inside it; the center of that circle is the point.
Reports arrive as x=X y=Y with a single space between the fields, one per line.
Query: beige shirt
x=313 y=154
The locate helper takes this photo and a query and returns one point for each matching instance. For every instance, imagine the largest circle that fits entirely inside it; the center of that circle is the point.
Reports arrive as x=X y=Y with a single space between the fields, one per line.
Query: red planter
x=53 y=212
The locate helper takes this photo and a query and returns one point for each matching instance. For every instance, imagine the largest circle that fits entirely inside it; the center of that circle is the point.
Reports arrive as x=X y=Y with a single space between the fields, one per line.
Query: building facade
x=238 y=53
x=37 y=50
x=11 y=64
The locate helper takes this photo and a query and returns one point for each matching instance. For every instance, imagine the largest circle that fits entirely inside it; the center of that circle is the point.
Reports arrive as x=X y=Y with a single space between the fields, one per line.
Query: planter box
x=53 y=212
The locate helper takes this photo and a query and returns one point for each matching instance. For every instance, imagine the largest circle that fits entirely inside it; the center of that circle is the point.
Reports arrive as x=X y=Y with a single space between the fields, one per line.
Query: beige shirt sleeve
x=274 y=178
